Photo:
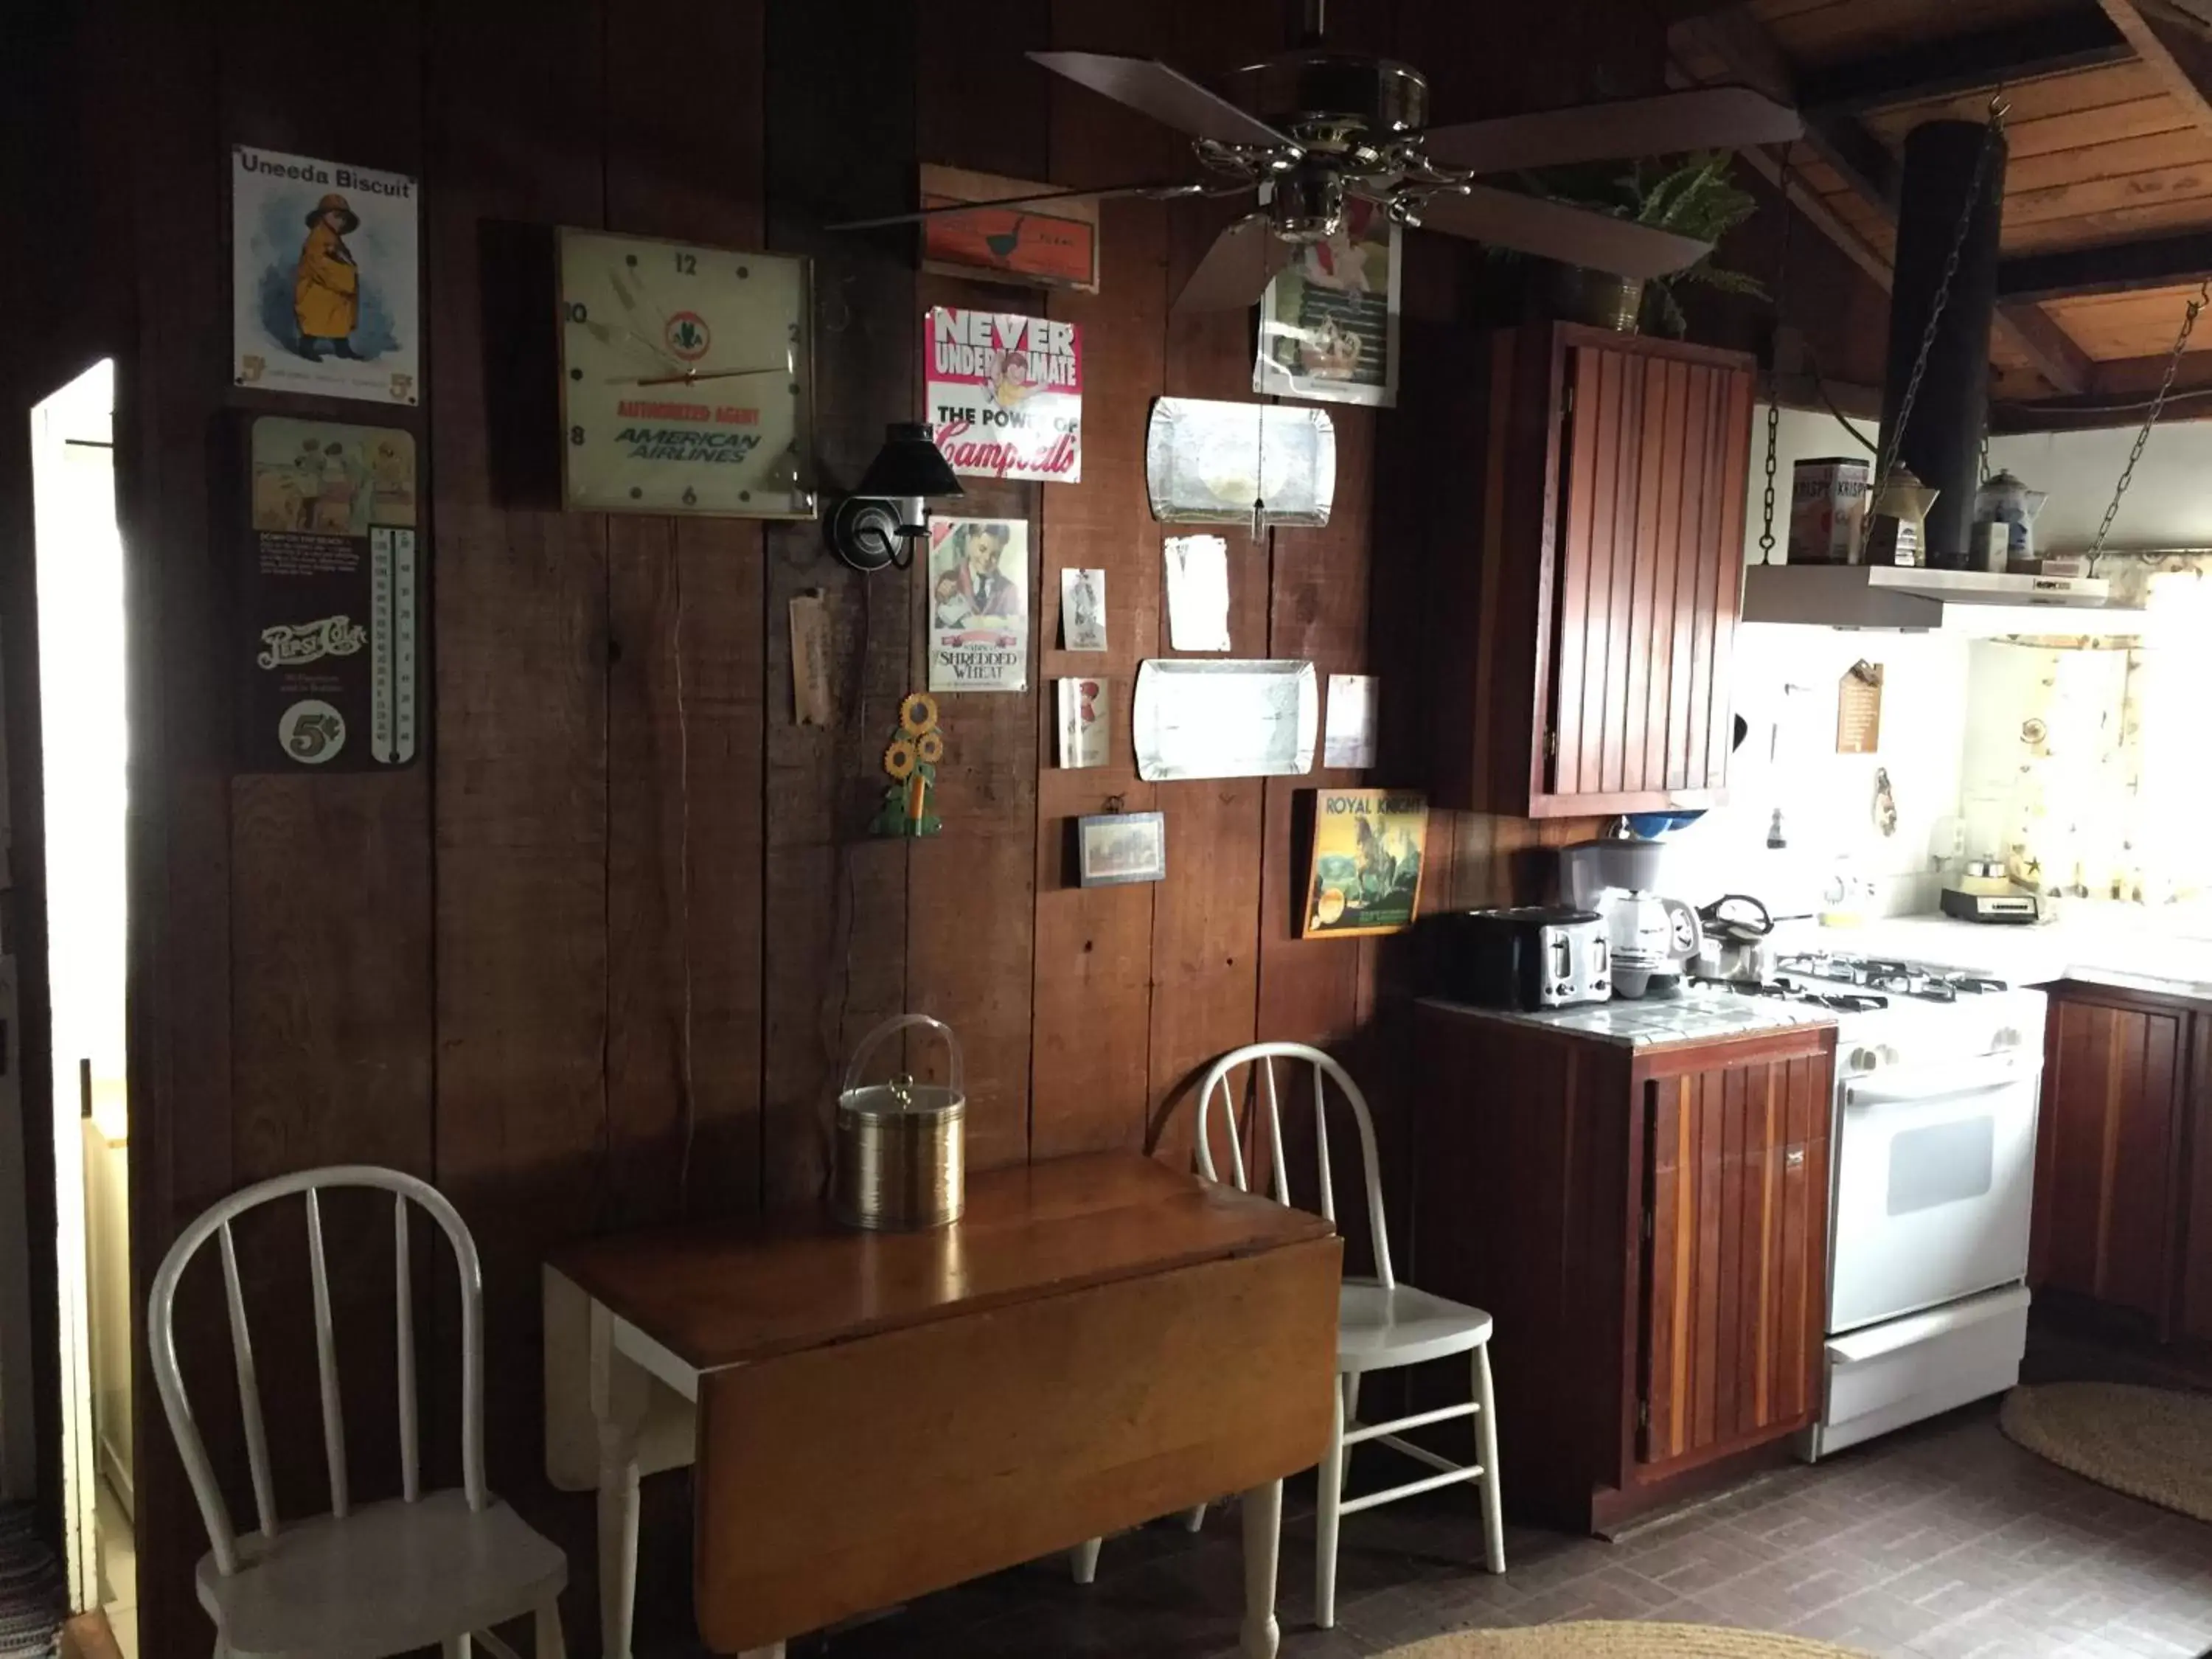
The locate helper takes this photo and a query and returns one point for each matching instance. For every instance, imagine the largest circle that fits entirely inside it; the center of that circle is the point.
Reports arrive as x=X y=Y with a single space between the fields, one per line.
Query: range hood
x=1895 y=596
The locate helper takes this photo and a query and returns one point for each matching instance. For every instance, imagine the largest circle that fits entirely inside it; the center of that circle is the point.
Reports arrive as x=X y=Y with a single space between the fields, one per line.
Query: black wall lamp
x=876 y=525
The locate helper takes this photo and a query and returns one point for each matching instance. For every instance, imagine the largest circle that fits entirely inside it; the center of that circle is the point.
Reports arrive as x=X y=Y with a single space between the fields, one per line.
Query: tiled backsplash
x=1786 y=683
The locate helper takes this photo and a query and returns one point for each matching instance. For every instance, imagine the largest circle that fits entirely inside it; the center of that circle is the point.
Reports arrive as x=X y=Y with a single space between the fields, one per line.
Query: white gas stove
x=1933 y=1149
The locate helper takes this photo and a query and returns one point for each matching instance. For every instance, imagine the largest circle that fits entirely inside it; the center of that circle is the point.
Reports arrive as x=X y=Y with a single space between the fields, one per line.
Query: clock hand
x=689 y=374
x=606 y=333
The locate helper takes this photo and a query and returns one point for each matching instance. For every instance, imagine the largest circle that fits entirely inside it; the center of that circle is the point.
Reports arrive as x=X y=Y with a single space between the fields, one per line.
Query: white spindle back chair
x=1382 y=1324
x=415 y=1569
x=1260 y=1058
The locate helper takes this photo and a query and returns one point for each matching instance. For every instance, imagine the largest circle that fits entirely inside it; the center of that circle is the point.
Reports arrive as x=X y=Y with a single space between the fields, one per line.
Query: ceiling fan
x=1308 y=130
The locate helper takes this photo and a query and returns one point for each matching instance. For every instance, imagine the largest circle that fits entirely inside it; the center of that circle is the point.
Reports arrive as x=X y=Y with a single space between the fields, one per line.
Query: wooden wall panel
x=1205 y=915
x=685 y=673
x=520 y=692
x=600 y=956
x=834 y=901
x=1091 y=1005
x=971 y=898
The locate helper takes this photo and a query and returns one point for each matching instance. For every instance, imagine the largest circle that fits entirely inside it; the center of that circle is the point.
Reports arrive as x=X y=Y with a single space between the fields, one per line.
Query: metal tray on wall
x=1225 y=719
x=1257 y=465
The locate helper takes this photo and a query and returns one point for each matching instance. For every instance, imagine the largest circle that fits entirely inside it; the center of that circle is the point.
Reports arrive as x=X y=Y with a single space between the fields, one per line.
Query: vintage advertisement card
x=1365 y=876
x=331 y=576
x=1083 y=610
x=325 y=291
x=1085 y=732
x=1039 y=244
x=1329 y=323
x=1198 y=592
x=979 y=612
x=1348 y=737
x=1006 y=394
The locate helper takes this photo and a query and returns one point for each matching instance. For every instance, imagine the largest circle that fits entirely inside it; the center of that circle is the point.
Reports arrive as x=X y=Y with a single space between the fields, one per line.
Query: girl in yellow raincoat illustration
x=326 y=286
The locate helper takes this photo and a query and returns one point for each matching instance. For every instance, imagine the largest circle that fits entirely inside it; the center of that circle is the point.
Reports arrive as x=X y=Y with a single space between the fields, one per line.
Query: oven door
x=1934 y=1168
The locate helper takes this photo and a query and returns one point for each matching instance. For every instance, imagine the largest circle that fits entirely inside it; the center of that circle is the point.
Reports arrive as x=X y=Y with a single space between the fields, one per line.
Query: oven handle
x=1950 y=1083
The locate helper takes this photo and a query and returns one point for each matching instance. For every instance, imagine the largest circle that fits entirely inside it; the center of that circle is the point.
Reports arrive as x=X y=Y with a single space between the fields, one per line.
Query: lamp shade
x=909 y=464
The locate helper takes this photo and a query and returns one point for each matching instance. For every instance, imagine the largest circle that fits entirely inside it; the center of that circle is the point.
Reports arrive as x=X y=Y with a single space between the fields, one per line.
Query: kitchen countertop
x=1658 y=1022
x=2120 y=945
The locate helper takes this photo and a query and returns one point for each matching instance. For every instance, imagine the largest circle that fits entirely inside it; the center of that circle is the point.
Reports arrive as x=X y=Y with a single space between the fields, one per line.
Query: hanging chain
x=1991 y=134
x=1985 y=452
x=1774 y=402
x=2157 y=408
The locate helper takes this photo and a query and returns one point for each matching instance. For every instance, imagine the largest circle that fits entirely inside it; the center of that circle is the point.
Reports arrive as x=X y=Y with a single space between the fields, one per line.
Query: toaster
x=1533 y=958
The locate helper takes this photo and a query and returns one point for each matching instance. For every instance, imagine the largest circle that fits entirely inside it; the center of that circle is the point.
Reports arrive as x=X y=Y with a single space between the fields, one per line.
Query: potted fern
x=1692 y=195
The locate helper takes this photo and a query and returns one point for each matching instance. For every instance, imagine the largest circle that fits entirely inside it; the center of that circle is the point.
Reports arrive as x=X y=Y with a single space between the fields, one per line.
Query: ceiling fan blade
x=1708 y=118
x=1167 y=95
x=1237 y=268
x=1159 y=191
x=1572 y=235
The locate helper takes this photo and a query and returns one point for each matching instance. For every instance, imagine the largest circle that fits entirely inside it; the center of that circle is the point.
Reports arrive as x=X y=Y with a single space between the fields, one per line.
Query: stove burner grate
x=1917 y=980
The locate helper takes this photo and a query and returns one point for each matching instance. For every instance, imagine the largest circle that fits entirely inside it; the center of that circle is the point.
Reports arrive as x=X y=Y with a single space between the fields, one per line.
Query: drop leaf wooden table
x=1097 y=1341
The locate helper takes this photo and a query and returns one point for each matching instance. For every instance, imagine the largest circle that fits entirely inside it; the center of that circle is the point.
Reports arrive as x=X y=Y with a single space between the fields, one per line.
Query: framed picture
x=324 y=288
x=1328 y=323
x=331 y=578
x=1364 y=876
x=1114 y=847
x=1040 y=245
x=979 y=610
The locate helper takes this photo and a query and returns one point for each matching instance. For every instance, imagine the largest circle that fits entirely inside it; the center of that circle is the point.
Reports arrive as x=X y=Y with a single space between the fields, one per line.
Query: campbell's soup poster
x=1005 y=394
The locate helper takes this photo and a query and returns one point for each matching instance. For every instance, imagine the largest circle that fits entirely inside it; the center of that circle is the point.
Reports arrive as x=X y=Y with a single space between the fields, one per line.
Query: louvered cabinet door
x=1734 y=1258
x=2108 y=1152
x=1648 y=554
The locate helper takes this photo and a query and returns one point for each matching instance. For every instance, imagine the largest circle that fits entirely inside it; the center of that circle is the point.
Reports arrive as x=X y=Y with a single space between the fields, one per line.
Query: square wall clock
x=686 y=379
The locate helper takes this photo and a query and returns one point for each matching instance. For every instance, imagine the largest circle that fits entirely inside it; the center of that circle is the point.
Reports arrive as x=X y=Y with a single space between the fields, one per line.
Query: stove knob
x=1864 y=1059
x=2006 y=1037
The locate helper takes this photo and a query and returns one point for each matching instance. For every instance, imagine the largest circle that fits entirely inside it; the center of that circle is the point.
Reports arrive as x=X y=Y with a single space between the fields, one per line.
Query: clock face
x=685 y=379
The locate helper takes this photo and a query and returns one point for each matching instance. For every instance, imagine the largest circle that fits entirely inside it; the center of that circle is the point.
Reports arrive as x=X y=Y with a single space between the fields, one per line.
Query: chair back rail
x=177 y=1405
x=1260 y=1058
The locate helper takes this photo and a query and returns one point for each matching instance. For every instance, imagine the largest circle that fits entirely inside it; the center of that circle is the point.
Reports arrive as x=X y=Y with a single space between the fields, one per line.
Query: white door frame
x=79 y=414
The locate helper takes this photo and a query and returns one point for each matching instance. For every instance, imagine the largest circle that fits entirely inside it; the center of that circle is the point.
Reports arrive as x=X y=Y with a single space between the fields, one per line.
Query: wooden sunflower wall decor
x=910 y=761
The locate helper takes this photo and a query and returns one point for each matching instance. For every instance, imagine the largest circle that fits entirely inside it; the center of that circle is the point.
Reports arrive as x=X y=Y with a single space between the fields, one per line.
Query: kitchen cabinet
x=2193 y=1316
x=2123 y=1159
x=1735 y=1255
x=1586 y=602
x=2107 y=1213
x=1648 y=1227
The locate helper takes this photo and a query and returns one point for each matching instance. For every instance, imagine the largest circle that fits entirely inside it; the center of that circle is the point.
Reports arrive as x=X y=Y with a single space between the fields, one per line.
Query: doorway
x=83 y=740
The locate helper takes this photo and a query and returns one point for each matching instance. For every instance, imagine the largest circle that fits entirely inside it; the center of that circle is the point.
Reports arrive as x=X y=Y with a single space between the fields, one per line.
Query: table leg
x=1263 y=1531
x=617 y=1495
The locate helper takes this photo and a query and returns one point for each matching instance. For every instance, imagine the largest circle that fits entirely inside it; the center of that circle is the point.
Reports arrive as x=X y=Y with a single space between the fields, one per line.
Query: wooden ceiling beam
x=2056 y=43
x=2180 y=58
x=1737 y=39
x=2105 y=268
x=2048 y=347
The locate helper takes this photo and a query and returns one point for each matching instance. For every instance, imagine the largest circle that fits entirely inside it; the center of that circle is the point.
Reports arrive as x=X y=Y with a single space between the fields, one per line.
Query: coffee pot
x=2003 y=499
x=1897 y=523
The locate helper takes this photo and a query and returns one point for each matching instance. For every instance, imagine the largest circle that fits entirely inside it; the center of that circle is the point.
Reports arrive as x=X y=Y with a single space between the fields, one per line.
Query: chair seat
x=1379 y=1329
x=389 y=1578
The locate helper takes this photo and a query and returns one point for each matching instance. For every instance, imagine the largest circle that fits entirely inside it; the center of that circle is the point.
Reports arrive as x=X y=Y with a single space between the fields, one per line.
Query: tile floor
x=1940 y=1542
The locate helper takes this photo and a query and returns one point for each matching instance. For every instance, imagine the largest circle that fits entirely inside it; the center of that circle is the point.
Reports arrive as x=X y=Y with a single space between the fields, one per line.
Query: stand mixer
x=1653 y=938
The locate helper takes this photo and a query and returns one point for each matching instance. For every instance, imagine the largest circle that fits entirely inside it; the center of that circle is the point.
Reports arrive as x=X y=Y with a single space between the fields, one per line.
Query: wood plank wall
x=596 y=960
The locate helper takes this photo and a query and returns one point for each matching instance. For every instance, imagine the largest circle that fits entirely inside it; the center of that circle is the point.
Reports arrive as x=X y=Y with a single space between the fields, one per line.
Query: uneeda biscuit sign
x=1005 y=394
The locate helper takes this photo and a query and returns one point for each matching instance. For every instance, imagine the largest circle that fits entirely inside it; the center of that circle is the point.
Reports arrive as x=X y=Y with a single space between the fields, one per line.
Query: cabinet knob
x=1794 y=1157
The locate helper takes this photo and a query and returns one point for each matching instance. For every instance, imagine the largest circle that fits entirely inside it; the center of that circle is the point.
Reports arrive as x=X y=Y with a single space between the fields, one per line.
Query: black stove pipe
x=1943 y=440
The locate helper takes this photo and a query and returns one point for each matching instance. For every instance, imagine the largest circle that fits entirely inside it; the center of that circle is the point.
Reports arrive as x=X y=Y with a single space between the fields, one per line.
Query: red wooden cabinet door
x=1649 y=551
x=2194 y=1318
x=2106 y=1167
x=1734 y=1258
